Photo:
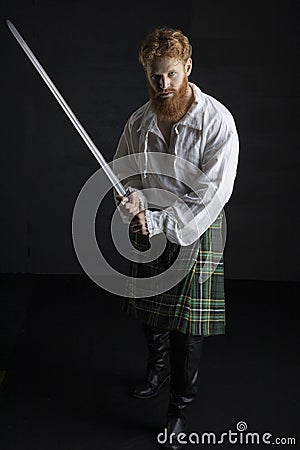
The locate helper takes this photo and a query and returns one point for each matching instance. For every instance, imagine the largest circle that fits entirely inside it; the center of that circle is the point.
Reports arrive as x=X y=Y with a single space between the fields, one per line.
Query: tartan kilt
x=194 y=306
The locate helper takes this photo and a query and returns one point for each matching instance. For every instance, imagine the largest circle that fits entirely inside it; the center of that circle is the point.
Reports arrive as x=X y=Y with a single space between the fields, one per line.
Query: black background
x=245 y=55
x=70 y=355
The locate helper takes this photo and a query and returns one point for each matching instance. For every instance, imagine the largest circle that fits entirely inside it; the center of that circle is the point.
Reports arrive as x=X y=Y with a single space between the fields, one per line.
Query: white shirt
x=200 y=173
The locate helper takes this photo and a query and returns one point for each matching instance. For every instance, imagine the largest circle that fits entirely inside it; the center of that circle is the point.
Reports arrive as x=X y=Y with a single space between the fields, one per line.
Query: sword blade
x=87 y=139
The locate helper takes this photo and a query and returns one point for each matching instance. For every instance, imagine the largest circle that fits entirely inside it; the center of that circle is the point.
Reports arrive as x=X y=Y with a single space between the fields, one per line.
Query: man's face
x=167 y=80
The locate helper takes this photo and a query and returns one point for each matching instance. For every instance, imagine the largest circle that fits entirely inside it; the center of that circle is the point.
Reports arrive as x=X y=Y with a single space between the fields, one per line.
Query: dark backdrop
x=245 y=55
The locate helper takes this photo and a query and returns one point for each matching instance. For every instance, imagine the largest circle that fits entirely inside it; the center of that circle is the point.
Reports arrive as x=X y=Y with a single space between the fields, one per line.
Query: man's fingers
x=132 y=202
x=139 y=229
x=122 y=200
x=138 y=225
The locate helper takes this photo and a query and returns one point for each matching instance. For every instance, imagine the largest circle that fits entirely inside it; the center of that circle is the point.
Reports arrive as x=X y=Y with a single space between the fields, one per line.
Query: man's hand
x=130 y=206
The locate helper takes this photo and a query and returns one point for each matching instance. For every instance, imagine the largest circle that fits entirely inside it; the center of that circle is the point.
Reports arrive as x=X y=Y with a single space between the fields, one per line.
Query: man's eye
x=172 y=74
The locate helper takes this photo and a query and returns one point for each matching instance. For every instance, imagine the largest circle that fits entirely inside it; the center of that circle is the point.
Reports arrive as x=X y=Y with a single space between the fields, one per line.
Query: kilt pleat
x=195 y=305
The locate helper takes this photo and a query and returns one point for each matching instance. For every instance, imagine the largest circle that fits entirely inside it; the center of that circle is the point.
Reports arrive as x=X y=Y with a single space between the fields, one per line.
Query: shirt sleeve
x=190 y=215
x=127 y=171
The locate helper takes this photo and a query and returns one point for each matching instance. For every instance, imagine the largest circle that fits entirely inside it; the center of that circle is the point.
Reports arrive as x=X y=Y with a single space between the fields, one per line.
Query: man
x=182 y=122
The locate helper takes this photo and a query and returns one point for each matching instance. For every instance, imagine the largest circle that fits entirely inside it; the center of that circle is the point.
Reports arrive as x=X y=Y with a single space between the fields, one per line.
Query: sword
x=106 y=168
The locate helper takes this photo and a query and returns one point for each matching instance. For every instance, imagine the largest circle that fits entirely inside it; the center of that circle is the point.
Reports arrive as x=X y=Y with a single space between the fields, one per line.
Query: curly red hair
x=165 y=42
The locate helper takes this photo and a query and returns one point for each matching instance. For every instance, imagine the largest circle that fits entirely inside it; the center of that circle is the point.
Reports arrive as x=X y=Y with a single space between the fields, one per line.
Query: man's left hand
x=138 y=224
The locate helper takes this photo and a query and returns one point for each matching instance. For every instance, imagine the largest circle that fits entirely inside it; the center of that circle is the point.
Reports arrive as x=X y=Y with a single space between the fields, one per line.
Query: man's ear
x=188 y=66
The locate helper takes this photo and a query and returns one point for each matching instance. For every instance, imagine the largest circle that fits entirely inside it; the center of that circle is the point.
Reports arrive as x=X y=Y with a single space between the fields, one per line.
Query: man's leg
x=185 y=352
x=158 y=370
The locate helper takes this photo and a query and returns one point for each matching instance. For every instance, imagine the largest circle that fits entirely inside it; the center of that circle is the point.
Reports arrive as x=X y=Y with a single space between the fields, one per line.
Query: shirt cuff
x=155 y=222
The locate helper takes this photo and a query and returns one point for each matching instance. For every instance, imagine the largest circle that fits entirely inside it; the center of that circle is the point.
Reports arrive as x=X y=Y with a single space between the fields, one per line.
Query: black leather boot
x=185 y=352
x=158 y=371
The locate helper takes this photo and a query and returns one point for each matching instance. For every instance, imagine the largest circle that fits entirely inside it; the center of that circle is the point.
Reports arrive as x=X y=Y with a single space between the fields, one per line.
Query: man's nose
x=163 y=82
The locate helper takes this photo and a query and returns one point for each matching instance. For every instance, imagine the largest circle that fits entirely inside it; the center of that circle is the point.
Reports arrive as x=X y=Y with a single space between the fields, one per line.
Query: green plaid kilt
x=192 y=307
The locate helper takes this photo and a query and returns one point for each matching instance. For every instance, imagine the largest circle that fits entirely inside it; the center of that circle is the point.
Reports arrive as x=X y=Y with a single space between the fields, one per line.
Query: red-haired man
x=179 y=120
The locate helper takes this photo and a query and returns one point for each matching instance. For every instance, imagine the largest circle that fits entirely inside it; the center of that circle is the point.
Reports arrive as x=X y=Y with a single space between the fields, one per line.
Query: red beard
x=170 y=109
